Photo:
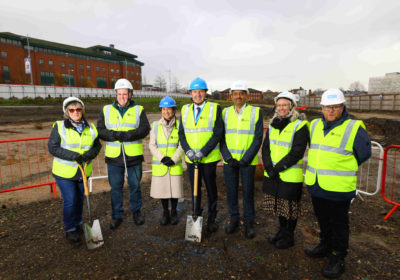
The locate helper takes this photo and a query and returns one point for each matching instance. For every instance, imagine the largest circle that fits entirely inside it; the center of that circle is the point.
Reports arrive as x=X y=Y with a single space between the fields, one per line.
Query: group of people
x=204 y=132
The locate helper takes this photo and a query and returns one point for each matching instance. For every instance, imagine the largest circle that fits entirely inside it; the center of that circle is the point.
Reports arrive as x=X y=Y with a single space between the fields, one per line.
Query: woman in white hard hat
x=282 y=152
x=72 y=141
x=166 y=183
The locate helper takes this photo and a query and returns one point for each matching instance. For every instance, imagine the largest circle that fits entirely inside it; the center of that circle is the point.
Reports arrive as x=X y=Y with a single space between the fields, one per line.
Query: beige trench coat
x=167 y=186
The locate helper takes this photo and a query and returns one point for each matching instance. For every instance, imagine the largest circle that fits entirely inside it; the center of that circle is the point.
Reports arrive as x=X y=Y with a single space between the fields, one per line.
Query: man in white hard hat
x=123 y=125
x=338 y=145
x=243 y=125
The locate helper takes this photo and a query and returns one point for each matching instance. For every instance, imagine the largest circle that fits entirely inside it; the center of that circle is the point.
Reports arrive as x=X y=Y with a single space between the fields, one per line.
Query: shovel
x=93 y=236
x=194 y=223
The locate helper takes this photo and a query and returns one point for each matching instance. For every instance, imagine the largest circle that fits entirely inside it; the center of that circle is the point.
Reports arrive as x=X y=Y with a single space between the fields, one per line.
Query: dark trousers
x=207 y=171
x=231 y=175
x=333 y=220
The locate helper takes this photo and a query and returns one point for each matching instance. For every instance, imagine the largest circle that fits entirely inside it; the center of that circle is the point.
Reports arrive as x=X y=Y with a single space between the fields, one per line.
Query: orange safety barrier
x=26 y=165
x=391 y=188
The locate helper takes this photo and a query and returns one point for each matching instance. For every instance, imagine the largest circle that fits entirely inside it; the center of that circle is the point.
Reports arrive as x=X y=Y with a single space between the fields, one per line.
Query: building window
x=81 y=66
x=71 y=65
x=47 y=78
x=117 y=71
x=101 y=82
x=89 y=78
x=51 y=62
x=6 y=73
x=4 y=54
x=104 y=69
x=88 y=67
x=97 y=68
x=63 y=64
x=69 y=79
x=41 y=61
x=112 y=70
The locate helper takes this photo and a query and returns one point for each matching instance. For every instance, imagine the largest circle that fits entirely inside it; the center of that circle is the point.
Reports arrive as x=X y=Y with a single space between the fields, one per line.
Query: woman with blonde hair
x=282 y=152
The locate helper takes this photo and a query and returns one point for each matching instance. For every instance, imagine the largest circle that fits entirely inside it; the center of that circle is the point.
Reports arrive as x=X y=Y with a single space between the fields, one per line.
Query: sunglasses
x=78 y=110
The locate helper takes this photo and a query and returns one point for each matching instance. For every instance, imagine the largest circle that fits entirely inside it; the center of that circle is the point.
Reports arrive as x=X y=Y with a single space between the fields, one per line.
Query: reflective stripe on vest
x=167 y=146
x=280 y=145
x=239 y=133
x=73 y=141
x=130 y=121
x=197 y=135
x=331 y=158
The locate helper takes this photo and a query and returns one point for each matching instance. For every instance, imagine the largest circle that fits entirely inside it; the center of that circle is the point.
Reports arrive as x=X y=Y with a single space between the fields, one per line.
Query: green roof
x=96 y=51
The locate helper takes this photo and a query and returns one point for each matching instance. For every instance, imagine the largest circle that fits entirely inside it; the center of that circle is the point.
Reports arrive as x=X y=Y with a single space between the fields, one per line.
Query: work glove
x=86 y=158
x=120 y=136
x=167 y=161
x=198 y=156
x=243 y=163
x=272 y=174
x=190 y=154
x=79 y=159
x=233 y=163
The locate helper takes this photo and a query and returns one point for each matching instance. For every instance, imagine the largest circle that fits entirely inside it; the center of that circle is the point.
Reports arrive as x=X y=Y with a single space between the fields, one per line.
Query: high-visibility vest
x=167 y=146
x=280 y=144
x=331 y=157
x=197 y=135
x=115 y=122
x=73 y=141
x=239 y=133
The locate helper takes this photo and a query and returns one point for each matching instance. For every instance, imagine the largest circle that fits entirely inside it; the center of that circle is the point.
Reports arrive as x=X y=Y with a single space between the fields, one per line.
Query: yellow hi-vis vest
x=331 y=158
x=197 y=135
x=239 y=133
x=129 y=121
x=73 y=141
x=280 y=145
x=168 y=147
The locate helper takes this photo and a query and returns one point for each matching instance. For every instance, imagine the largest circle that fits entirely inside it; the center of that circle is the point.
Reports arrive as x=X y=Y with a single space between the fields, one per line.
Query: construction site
x=33 y=245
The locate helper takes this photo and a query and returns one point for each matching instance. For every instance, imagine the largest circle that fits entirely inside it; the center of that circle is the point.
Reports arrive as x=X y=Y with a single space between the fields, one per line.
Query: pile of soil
x=33 y=244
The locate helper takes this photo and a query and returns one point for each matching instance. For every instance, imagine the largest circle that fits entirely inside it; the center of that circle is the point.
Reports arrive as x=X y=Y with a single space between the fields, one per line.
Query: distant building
x=300 y=91
x=254 y=94
x=390 y=83
x=65 y=65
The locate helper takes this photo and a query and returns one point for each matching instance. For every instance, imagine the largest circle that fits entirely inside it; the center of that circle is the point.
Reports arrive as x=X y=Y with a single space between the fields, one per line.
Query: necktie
x=198 y=109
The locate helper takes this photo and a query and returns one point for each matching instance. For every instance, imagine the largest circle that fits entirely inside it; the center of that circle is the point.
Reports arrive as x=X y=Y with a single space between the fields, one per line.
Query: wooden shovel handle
x=196 y=179
x=84 y=178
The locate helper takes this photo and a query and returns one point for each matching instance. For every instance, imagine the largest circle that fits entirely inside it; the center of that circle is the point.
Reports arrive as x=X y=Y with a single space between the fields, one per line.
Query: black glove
x=86 y=158
x=233 y=163
x=79 y=159
x=121 y=136
x=272 y=174
x=243 y=163
x=167 y=161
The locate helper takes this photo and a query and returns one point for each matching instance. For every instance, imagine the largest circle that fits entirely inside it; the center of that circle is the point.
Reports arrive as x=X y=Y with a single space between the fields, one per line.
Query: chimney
x=112 y=46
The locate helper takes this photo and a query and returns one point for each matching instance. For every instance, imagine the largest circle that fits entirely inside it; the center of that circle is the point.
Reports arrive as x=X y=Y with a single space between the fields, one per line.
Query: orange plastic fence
x=391 y=178
x=25 y=164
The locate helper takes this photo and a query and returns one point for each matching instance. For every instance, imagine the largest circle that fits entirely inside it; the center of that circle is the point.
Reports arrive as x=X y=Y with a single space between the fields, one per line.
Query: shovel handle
x=84 y=178
x=196 y=179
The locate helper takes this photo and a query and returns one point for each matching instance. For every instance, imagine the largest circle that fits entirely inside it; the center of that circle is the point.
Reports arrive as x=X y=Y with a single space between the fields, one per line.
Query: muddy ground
x=33 y=245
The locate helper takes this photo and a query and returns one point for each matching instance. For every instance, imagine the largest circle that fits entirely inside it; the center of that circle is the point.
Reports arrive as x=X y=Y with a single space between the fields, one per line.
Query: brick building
x=64 y=65
x=254 y=94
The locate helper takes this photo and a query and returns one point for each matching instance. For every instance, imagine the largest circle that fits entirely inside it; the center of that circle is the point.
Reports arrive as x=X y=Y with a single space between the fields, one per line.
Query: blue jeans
x=116 y=177
x=231 y=175
x=72 y=194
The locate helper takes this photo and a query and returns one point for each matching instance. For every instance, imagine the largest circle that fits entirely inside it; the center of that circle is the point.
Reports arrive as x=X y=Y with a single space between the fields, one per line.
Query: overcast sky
x=275 y=45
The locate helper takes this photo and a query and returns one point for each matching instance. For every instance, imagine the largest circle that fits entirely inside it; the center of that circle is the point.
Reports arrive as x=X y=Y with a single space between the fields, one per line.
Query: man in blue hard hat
x=200 y=131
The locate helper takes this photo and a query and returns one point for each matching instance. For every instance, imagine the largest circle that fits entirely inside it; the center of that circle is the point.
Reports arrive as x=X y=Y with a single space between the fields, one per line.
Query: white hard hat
x=239 y=86
x=287 y=95
x=123 y=83
x=71 y=99
x=332 y=96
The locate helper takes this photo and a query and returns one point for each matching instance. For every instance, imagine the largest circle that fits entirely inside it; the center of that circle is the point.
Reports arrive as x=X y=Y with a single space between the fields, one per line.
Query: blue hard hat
x=198 y=83
x=167 y=102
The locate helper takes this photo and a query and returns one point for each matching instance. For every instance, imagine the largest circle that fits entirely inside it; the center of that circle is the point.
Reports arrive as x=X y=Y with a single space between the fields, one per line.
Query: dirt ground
x=33 y=245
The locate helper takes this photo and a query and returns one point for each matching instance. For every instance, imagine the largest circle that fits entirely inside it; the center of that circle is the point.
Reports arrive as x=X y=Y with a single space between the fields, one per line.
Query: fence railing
x=8 y=91
x=391 y=178
x=25 y=164
x=367 y=102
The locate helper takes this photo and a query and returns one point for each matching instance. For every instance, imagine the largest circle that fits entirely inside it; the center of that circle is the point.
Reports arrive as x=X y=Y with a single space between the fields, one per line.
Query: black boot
x=174 y=214
x=73 y=236
x=165 y=219
x=335 y=266
x=115 y=223
x=231 y=227
x=320 y=251
x=274 y=238
x=286 y=241
x=249 y=232
x=211 y=225
x=138 y=218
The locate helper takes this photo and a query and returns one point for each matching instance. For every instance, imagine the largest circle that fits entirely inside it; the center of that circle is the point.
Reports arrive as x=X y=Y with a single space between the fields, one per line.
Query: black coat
x=276 y=187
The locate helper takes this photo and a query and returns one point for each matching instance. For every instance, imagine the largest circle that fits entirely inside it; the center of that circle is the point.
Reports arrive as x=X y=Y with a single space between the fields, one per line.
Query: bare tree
x=176 y=86
x=356 y=86
x=160 y=82
x=144 y=80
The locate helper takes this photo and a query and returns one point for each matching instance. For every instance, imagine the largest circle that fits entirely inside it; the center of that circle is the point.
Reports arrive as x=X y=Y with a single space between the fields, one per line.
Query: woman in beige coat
x=166 y=183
